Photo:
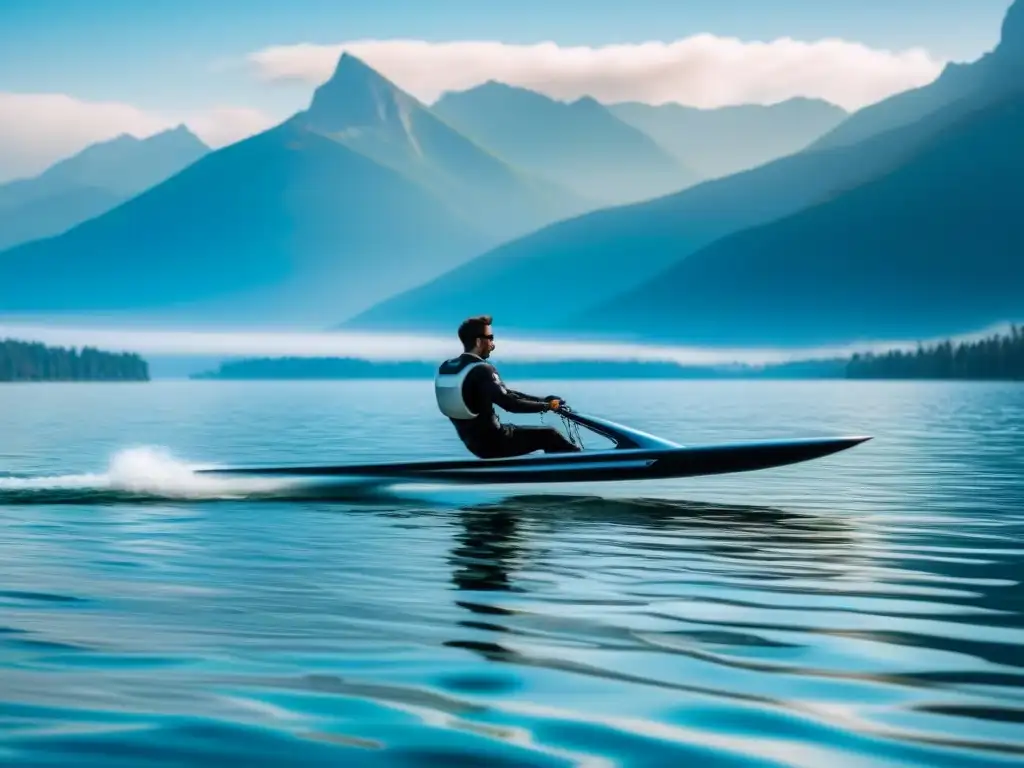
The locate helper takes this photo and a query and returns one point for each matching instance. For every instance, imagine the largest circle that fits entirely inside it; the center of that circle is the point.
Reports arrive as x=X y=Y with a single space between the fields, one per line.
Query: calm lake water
x=861 y=609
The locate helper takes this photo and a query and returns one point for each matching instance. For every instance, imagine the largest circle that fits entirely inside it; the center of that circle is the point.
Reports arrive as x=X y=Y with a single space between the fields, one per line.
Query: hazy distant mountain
x=545 y=281
x=285 y=226
x=363 y=110
x=935 y=247
x=719 y=142
x=580 y=145
x=559 y=271
x=972 y=85
x=93 y=181
x=124 y=164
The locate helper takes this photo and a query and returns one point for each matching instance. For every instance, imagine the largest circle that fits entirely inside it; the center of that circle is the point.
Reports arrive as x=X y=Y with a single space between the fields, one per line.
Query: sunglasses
x=488 y=336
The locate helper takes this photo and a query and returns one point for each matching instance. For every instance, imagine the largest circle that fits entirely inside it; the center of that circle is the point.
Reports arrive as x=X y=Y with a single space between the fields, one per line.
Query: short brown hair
x=472 y=328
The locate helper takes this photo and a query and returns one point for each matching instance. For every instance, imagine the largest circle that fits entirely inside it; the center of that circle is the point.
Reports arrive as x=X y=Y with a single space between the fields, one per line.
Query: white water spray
x=151 y=471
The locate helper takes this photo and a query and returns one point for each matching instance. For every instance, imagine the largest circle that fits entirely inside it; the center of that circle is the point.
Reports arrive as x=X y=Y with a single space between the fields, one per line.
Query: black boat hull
x=637 y=456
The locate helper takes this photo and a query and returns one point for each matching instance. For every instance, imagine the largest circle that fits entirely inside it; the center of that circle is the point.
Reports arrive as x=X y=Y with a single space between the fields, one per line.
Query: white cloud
x=702 y=70
x=224 y=125
x=37 y=129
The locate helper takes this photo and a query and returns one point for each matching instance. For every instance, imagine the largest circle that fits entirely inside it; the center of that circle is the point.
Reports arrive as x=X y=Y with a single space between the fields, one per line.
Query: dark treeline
x=1000 y=356
x=353 y=368
x=34 y=361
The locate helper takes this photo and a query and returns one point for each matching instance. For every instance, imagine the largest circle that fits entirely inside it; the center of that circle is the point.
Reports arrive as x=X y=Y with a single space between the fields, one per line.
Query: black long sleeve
x=526 y=398
x=510 y=400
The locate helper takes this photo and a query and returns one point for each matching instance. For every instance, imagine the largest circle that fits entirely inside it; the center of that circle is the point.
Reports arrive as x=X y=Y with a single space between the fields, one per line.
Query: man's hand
x=554 y=403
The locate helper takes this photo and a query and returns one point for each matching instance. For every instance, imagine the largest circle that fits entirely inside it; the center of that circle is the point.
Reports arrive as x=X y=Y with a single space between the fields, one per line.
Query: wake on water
x=153 y=474
x=148 y=475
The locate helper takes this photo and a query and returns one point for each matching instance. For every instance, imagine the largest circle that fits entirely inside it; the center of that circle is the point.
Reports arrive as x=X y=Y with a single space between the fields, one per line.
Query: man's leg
x=514 y=440
x=523 y=440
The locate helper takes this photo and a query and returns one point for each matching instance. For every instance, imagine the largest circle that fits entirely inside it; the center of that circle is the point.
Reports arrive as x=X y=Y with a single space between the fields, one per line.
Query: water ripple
x=862 y=610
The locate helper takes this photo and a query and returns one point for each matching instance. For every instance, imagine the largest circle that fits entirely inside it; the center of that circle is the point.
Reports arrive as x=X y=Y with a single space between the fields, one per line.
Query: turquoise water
x=861 y=609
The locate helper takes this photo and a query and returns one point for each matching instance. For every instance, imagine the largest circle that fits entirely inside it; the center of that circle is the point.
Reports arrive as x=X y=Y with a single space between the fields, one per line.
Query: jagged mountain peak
x=356 y=96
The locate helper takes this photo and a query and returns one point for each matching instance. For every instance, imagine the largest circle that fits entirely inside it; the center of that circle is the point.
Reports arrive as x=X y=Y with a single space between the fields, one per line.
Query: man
x=467 y=389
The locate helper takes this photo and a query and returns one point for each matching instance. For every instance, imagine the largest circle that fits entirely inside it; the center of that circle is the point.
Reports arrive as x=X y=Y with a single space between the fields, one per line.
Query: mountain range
x=362 y=195
x=933 y=247
x=91 y=182
x=588 y=260
x=789 y=251
x=373 y=210
x=288 y=223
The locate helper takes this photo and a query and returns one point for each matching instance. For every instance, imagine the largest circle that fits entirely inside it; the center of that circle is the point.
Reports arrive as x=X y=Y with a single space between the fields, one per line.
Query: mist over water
x=79 y=331
x=862 y=609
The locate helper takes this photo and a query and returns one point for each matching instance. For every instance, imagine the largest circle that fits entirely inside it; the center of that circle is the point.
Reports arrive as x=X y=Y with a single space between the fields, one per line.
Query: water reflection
x=756 y=606
x=496 y=538
x=488 y=548
x=650 y=551
x=150 y=619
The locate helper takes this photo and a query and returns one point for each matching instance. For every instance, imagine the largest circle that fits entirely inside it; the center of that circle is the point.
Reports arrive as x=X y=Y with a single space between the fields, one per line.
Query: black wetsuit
x=485 y=436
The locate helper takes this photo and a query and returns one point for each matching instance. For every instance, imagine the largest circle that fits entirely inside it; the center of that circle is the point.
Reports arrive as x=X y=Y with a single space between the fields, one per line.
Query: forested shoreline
x=35 y=361
x=343 y=368
x=999 y=357
x=996 y=357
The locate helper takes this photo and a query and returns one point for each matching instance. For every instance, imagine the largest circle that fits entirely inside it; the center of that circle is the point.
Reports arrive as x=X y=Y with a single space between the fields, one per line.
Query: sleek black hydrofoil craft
x=635 y=456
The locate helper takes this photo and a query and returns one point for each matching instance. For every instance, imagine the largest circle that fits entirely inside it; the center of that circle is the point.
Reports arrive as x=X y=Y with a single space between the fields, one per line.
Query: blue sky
x=171 y=59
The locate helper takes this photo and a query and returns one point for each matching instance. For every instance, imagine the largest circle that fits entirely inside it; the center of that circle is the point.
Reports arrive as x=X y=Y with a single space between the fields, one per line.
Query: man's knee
x=556 y=442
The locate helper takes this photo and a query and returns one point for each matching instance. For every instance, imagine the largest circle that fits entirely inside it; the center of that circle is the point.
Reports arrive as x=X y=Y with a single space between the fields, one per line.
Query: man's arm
x=523 y=396
x=510 y=400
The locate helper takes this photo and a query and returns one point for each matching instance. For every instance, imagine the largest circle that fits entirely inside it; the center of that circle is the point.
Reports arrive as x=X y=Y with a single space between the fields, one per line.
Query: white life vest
x=451 y=375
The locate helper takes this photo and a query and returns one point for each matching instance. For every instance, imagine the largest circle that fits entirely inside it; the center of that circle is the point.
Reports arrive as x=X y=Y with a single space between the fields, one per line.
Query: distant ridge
x=971 y=85
x=933 y=247
x=91 y=182
x=719 y=142
x=580 y=145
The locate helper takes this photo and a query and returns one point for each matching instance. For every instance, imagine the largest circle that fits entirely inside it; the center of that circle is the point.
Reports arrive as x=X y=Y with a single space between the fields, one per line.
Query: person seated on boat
x=467 y=389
